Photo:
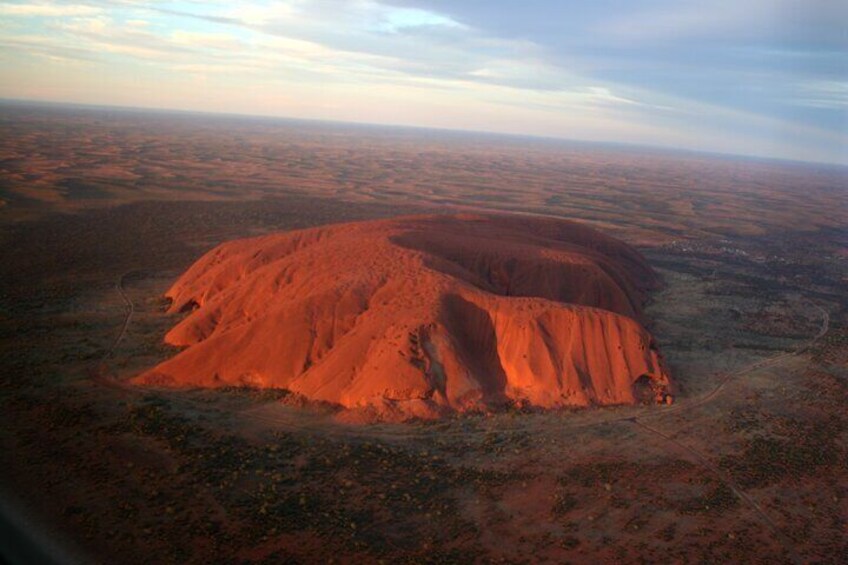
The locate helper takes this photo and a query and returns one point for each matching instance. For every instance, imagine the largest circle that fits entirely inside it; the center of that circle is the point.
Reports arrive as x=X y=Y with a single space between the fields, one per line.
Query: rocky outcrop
x=420 y=316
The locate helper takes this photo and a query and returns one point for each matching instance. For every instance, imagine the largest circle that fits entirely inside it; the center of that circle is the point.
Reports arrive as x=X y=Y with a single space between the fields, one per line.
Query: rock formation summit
x=420 y=316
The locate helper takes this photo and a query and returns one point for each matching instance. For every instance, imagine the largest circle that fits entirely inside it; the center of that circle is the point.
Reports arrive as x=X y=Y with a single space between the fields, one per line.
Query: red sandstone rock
x=419 y=316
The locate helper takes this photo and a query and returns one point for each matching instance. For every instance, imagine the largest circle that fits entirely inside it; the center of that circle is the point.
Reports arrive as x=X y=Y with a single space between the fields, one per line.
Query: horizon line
x=421 y=128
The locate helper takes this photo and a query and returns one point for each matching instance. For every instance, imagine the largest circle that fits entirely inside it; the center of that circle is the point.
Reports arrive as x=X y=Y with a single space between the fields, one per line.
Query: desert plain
x=102 y=210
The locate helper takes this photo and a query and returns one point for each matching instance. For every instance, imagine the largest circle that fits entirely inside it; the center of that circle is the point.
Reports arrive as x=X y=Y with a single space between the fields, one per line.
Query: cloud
x=45 y=47
x=823 y=94
x=390 y=39
x=44 y=9
x=730 y=20
x=404 y=19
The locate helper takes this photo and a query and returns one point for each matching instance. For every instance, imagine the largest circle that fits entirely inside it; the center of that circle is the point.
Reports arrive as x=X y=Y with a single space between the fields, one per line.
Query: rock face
x=420 y=316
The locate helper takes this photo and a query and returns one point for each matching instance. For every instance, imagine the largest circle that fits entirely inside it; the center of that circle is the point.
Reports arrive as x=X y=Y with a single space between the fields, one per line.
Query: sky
x=752 y=77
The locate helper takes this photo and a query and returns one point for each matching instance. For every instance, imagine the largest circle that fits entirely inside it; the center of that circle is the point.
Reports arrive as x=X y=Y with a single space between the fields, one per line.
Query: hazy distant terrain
x=58 y=159
x=103 y=209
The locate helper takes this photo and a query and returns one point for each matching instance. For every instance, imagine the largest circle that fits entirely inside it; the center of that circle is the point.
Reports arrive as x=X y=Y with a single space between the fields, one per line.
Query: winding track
x=130 y=309
x=100 y=374
x=705 y=463
x=768 y=362
x=101 y=378
x=729 y=483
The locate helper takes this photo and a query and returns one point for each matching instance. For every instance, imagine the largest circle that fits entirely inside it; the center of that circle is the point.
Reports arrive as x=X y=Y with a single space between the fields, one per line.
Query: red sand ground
x=420 y=316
